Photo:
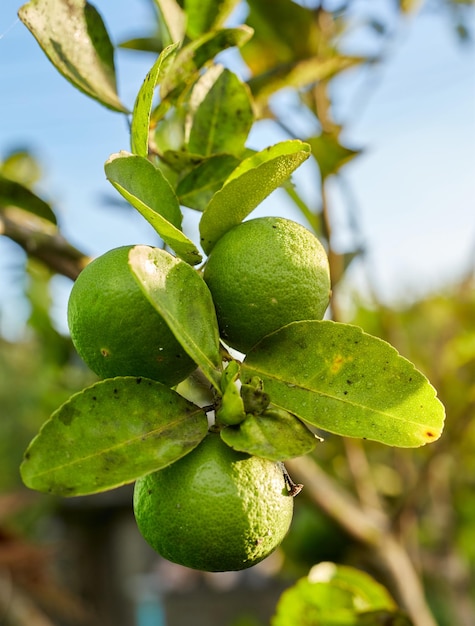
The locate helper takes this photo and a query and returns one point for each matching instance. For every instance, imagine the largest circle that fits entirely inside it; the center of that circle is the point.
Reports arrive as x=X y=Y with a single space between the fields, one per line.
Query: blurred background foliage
x=426 y=497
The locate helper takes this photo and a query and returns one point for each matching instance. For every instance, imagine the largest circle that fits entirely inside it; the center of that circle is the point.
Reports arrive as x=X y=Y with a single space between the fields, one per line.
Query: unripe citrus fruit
x=263 y=274
x=116 y=330
x=215 y=509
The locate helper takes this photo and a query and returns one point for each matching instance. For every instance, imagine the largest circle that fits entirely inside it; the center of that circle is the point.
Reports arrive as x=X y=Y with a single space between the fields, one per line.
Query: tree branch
x=41 y=239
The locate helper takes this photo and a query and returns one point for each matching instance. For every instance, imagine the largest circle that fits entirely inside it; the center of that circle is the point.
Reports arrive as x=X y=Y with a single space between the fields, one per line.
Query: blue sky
x=413 y=188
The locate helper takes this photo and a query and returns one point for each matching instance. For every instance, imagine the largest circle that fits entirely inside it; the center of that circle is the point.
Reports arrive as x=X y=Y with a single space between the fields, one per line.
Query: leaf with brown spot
x=347 y=382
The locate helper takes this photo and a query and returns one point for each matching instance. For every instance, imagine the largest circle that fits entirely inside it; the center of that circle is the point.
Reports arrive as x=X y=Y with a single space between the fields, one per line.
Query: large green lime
x=264 y=274
x=215 y=509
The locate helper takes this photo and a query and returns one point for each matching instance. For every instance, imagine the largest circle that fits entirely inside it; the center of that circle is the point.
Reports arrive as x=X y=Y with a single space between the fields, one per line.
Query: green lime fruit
x=215 y=509
x=115 y=329
x=263 y=274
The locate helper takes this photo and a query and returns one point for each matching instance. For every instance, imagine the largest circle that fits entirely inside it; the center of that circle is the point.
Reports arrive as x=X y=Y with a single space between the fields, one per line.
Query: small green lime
x=263 y=274
x=215 y=509
x=116 y=330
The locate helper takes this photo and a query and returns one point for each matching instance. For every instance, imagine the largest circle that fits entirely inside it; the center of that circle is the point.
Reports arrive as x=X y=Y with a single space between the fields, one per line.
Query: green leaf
x=300 y=74
x=147 y=189
x=330 y=154
x=288 y=32
x=181 y=161
x=337 y=595
x=173 y=17
x=248 y=185
x=143 y=44
x=182 y=298
x=191 y=58
x=220 y=114
x=73 y=36
x=289 y=48
x=17 y=195
x=206 y=15
x=22 y=167
x=196 y=188
x=140 y=125
x=109 y=435
x=346 y=382
x=274 y=434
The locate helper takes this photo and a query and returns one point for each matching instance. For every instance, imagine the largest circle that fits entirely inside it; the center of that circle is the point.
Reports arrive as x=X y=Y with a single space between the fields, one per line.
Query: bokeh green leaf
x=17 y=195
x=206 y=15
x=337 y=595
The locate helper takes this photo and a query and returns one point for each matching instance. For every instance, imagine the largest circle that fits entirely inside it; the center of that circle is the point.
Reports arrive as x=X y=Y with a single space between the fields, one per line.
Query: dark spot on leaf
x=27 y=456
x=430 y=434
x=105 y=352
x=345 y=393
x=349 y=382
x=116 y=391
x=138 y=381
x=67 y=414
x=410 y=378
x=94 y=398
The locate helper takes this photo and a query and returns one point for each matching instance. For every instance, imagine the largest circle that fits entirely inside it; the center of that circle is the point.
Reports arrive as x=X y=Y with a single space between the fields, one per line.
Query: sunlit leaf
x=248 y=185
x=300 y=74
x=182 y=298
x=283 y=35
x=206 y=15
x=147 y=189
x=17 y=195
x=73 y=36
x=109 y=435
x=191 y=58
x=173 y=17
x=220 y=114
x=275 y=435
x=347 y=382
x=140 y=125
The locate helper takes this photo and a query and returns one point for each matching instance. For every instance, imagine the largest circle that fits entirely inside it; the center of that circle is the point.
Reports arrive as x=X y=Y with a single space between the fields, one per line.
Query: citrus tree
x=224 y=357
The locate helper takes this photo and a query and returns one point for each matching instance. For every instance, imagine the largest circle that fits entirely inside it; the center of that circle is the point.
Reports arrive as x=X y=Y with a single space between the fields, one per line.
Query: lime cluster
x=215 y=509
